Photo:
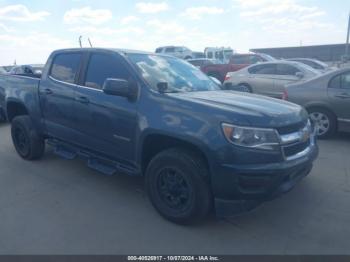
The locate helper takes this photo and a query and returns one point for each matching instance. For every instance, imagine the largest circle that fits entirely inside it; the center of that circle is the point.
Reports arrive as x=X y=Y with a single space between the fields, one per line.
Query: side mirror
x=299 y=75
x=119 y=87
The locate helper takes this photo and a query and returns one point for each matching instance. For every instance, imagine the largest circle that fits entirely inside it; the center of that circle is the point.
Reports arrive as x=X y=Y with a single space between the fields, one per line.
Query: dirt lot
x=55 y=206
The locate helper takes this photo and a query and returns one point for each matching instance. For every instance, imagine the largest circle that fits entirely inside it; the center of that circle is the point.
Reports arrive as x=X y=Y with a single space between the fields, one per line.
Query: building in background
x=326 y=53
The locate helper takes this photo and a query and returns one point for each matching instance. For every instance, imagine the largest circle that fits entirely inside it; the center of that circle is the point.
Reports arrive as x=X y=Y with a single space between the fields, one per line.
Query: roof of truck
x=118 y=50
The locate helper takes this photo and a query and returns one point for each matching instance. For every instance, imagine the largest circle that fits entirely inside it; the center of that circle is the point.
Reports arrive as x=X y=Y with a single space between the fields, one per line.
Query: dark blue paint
x=116 y=128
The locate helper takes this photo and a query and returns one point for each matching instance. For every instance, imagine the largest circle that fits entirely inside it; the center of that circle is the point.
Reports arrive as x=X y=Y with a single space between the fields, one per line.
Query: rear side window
x=170 y=50
x=159 y=50
x=286 y=70
x=103 y=66
x=65 y=67
x=263 y=69
x=340 y=81
x=239 y=60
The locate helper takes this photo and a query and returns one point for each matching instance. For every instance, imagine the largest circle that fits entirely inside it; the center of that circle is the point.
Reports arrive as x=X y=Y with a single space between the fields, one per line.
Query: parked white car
x=314 y=63
x=177 y=51
x=269 y=78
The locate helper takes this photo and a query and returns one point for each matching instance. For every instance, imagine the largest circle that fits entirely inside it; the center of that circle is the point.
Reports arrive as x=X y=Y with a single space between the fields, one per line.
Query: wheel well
x=154 y=144
x=15 y=109
x=308 y=108
x=247 y=85
x=244 y=84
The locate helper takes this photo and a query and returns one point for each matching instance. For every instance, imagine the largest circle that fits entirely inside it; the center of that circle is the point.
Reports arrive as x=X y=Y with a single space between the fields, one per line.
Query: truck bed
x=14 y=86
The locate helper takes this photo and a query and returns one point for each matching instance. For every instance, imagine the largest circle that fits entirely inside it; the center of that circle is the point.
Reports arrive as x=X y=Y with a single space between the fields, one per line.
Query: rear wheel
x=245 y=88
x=177 y=184
x=324 y=121
x=28 y=143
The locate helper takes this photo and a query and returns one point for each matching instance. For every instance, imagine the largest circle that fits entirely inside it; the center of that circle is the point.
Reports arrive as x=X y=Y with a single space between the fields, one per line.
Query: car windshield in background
x=267 y=57
x=309 y=69
x=178 y=74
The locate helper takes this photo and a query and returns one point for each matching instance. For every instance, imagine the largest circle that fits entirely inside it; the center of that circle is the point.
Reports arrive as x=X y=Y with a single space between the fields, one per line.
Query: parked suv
x=157 y=116
x=177 y=51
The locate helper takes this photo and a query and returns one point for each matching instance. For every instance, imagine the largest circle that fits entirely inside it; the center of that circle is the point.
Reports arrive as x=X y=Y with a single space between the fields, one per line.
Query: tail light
x=227 y=77
x=285 y=95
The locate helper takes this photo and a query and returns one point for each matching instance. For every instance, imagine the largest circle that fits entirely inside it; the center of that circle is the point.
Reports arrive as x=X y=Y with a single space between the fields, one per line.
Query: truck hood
x=246 y=108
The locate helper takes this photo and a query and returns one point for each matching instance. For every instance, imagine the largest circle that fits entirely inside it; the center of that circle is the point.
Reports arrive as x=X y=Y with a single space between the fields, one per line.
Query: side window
x=287 y=70
x=345 y=83
x=169 y=50
x=253 y=59
x=239 y=60
x=103 y=66
x=335 y=82
x=263 y=69
x=65 y=67
x=340 y=81
x=210 y=55
x=159 y=50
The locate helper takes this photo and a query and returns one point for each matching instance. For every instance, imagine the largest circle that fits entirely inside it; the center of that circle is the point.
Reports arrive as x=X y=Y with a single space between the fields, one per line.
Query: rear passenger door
x=105 y=123
x=57 y=95
x=285 y=74
x=261 y=79
x=339 y=96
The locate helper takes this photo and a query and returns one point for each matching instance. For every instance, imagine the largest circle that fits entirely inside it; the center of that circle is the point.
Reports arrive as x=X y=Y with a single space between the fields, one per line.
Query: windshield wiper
x=163 y=88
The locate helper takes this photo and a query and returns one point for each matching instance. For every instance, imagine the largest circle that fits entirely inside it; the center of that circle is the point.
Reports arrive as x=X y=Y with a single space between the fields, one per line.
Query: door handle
x=344 y=95
x=48 y=91
x=83 y=100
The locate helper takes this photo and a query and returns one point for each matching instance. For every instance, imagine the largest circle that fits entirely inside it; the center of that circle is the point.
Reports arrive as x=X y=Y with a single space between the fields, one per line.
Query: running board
x=101 y=167
x=94 y=161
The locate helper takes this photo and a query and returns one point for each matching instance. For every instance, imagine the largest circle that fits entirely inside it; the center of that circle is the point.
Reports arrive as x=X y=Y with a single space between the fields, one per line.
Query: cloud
x=129 y=19
x=6 y=28
x=87 y=15
x=20 y=13
x=151 y=8
x=199 y=12
x=106 y=30
x=16 y=46
x=165 y=27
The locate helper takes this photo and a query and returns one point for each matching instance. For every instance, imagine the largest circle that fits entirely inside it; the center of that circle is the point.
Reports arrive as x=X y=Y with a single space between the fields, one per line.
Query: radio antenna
x=80 y=37
x=90 y=42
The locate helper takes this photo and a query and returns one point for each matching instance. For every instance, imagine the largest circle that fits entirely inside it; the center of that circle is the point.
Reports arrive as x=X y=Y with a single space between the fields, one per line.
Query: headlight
x=261 y=138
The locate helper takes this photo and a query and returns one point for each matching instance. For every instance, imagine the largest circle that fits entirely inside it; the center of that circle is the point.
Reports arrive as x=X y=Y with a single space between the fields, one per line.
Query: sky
x=31 y=29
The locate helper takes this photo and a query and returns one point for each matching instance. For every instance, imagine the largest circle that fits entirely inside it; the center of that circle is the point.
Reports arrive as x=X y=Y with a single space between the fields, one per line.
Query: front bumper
x=240 y=188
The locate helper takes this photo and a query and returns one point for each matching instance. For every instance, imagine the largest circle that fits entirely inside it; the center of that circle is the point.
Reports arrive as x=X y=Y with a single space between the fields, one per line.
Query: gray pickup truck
x=157 y=116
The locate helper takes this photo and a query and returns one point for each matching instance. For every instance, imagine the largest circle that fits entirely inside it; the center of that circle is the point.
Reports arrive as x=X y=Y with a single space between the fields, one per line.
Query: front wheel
x=177 y=184
x=324 y=121
x=27 y=141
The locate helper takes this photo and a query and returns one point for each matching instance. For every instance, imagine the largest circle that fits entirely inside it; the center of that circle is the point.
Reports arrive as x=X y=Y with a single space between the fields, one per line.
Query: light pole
x=347 y=41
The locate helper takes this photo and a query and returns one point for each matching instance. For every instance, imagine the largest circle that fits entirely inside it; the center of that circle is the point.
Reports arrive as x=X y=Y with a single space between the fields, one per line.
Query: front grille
x=291 y=128
x=294 y=149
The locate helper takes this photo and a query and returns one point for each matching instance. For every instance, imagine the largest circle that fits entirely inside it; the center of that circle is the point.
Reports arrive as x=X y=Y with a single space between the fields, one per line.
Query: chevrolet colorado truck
x=199 y=148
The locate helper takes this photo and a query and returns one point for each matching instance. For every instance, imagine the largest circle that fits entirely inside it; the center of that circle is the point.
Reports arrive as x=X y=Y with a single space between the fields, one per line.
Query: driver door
x=106 y=123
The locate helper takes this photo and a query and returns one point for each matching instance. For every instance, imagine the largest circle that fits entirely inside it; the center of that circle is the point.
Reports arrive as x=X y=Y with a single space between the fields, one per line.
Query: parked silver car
x=314 y=63
x=327 y=99
x=270 y=78
x=177 y=51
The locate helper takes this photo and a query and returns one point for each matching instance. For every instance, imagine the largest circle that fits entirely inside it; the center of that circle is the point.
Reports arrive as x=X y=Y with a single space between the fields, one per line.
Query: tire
x=27 y=141
x=324 y=120
x=245 y=88
x=178 y=187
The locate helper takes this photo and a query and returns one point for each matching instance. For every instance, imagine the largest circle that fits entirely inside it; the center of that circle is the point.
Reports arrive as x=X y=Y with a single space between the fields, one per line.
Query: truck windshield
x=178 y=74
